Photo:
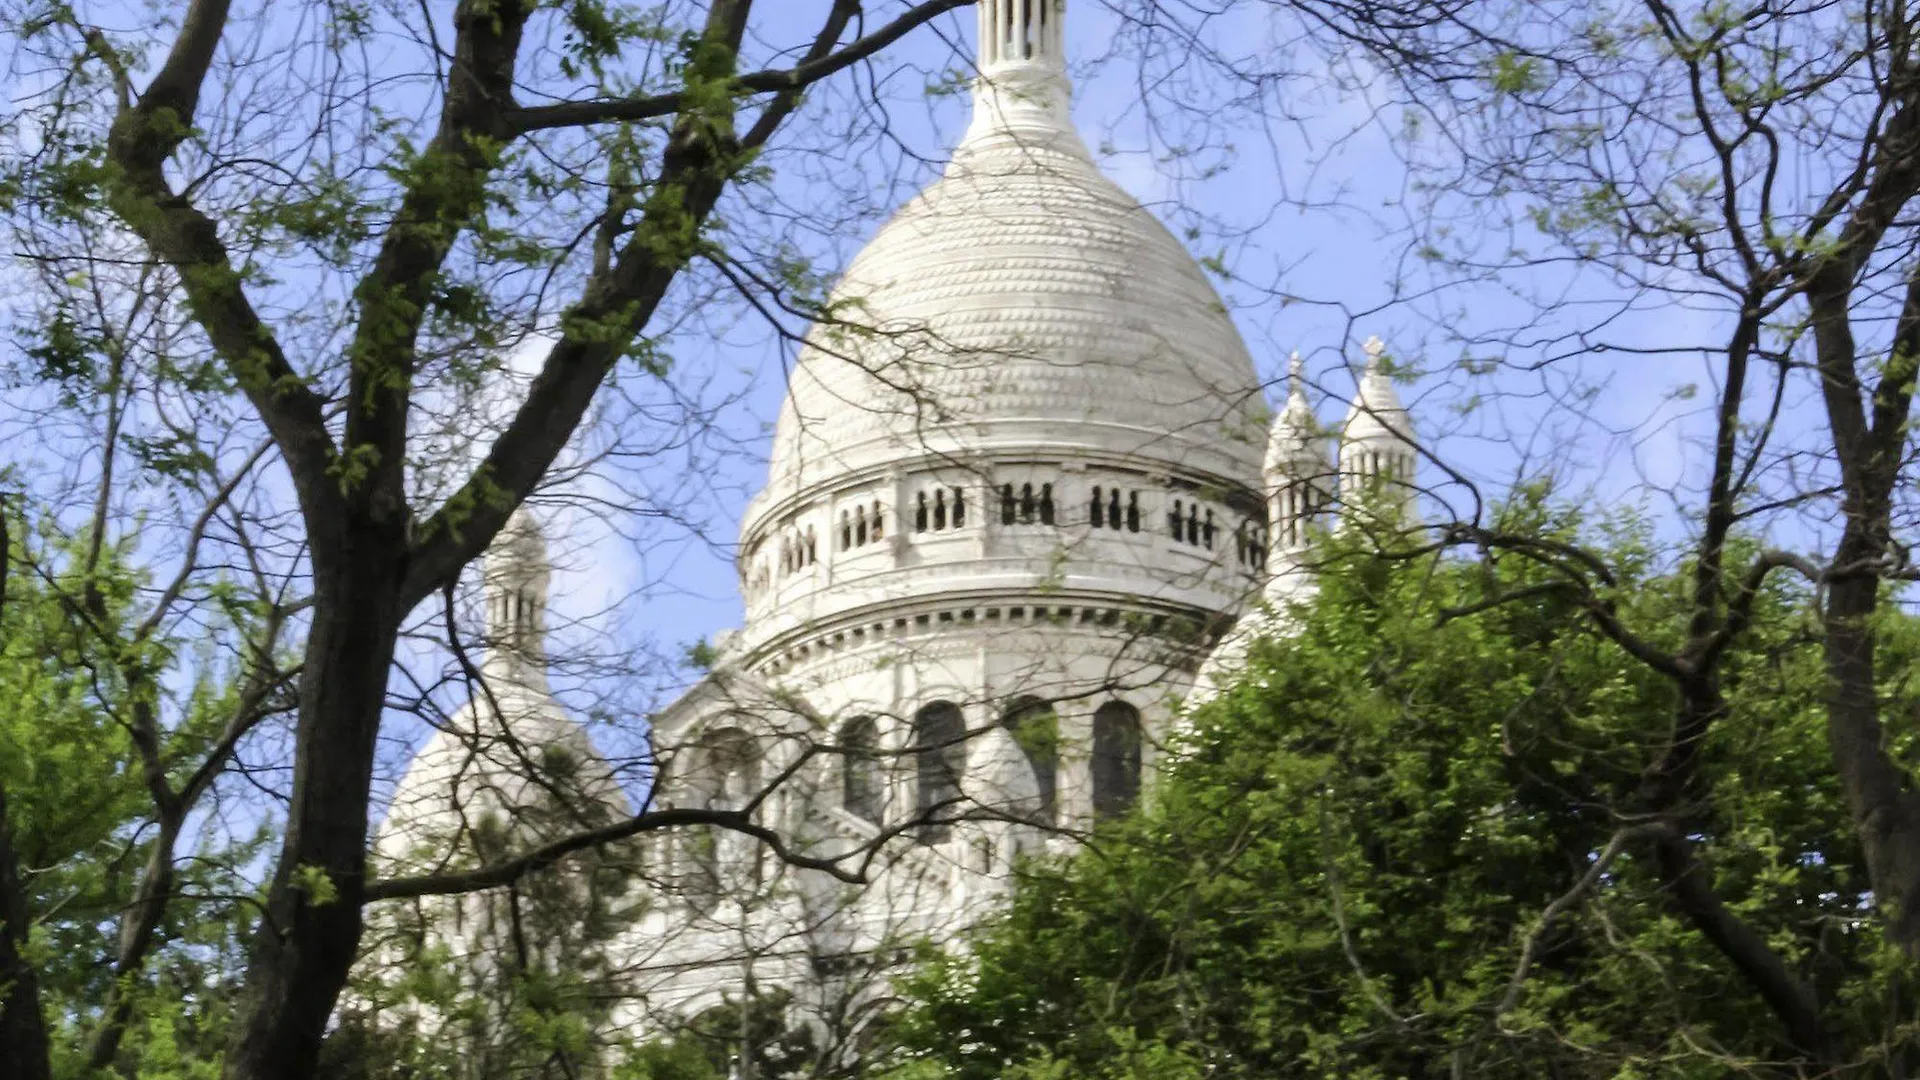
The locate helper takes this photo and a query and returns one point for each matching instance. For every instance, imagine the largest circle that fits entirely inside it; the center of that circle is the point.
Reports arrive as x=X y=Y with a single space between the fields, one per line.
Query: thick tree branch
x=784 y=81
x=1790 y=999
x=702 y=155
x=139 y=144
x=511 y=870
x=446 y=187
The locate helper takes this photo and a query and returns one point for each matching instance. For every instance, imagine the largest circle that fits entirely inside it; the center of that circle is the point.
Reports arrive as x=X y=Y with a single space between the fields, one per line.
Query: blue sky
x=1304 y=202
x=1307 y=213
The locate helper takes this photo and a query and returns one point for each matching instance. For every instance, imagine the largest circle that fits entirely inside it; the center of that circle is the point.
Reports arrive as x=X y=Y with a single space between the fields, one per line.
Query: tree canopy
x=1405 y=844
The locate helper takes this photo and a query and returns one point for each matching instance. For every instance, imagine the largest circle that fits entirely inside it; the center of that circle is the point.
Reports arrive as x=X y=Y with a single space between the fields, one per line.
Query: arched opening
x=1036 y=730
x=860 y=788
x=1116 y=759
x=940 y=758
x=725 y=774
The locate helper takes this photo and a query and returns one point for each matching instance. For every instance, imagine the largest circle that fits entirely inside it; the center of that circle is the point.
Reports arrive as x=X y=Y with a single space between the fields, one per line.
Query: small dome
x=512 y=752
x=1296 y=448
x=1377 y=418
x=1022 y=299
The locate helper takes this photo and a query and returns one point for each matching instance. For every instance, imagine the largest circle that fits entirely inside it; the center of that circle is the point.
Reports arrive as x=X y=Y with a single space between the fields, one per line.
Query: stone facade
x=1021 y=486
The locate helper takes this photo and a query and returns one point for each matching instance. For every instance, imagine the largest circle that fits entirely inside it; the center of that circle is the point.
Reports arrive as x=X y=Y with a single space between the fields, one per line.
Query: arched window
x=1113 y=510
x=1116 y=758
x=1046 y=504
x=1006 y=504
x=726 y=772
x=940 y=758
x=940 y=508
x=1193 y=524
x=860 y=788
x=959 y=508
x=878 y=531
x=1094 y=514
x=1133 y=511
x=1026 y=503
x=920 y=513
x=1036 y=731
x=1176 y=521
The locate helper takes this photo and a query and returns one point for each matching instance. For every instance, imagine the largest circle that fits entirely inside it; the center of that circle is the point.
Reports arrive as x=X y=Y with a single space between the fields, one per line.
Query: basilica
x=1025 y=498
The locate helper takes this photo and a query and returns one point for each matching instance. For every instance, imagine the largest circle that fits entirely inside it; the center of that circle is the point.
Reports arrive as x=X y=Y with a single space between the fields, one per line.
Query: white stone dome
x=1023 y=298
x=1023 y=382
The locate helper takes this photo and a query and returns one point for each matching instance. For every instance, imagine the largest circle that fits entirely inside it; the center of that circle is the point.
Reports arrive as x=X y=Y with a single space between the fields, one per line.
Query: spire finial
x=1375 y=350
x=1296 y=375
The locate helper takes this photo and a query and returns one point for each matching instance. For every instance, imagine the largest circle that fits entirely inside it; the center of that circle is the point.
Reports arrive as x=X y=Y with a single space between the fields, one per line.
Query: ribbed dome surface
x=1021 y=299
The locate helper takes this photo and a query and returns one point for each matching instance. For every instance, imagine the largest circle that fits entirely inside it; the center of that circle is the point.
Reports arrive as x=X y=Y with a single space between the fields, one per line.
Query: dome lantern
x=1021 y=88
x=516 y=575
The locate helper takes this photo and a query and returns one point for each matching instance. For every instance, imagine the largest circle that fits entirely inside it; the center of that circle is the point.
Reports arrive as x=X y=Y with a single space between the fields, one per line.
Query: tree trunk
x=1884 y=807
x=24 y=1053
x=1870 y=453
x=311 y=929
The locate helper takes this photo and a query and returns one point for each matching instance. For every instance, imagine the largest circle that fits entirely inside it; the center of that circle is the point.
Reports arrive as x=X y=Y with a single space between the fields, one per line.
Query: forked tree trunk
x=306 y=942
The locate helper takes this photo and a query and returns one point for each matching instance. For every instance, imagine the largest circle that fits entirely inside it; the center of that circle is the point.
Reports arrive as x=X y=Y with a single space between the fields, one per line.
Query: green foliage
x=63 y=764
x=1036 y=731
x=709 y=1046
x=1342 y=865
x=670 y=1059
x=78 y=809
x=701 y=655
x=1512 y=75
